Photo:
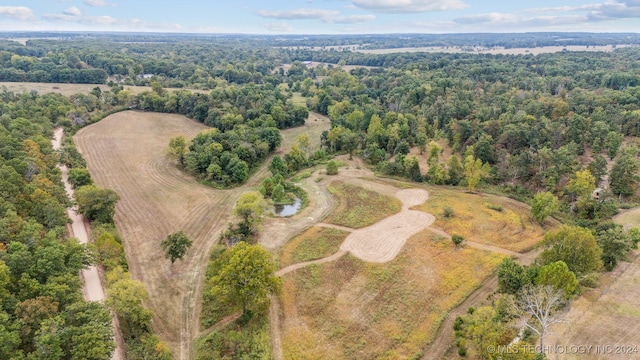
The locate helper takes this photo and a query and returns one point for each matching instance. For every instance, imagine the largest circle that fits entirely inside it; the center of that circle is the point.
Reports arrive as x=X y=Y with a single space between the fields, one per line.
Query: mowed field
x=608 y=315
x=126 y=152
x=70 y=89
x=494 y=51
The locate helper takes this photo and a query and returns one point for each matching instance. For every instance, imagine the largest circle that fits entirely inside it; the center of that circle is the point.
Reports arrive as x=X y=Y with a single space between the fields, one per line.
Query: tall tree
x=539 y=305
x=175 y=246
x=624 y=175
x=96 y=204
x=575 y=246
x=511 y=277
x=474 y=170
x=246 y=278
x=543 y=205
x=250 y=207
x=558 y=275
x=177 y=149
x=126 y=298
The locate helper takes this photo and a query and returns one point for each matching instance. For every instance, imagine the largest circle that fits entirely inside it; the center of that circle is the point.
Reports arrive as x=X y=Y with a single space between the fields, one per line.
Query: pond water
x=288 y=209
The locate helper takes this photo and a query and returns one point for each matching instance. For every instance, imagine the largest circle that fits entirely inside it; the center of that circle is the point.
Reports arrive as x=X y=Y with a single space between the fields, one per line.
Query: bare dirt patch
x=382 y=241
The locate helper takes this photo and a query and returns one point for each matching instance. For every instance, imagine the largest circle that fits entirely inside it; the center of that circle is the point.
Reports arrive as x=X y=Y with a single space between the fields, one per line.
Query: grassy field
x=630 y=217
x=315 y=243
x=69 y=89
x=475 y=217
x=351 y=309
x=496 y=50
x=126 y=152
x=358 y=207
x=606 y=315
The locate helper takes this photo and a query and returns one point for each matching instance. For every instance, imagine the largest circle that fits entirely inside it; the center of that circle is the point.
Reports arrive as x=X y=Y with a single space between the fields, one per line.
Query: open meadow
x=338 y=306
x=485 y=219
x=350 y=308
x=70 y=89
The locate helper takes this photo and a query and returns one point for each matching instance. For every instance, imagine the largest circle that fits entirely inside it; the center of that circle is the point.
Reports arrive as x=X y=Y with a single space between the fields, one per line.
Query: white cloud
x=326 y=16
x=97 y=3
x=298 y=14
x=279 y=27
x=17 y=12
x=561 y=17
x=351 y=19
x=109 y=23
x=409 y=6
x=72 y=11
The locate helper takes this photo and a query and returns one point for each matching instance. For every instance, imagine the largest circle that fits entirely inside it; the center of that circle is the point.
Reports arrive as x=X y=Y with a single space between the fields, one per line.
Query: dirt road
x=92 y=287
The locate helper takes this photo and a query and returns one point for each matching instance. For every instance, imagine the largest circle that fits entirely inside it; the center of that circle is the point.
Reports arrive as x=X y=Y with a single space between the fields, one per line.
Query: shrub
x=457 y=239
x=495 y=207
x=447 y=212
x=332 y=167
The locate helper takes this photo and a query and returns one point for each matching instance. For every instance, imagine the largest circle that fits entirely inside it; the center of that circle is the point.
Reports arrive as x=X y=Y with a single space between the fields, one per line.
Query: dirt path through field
x=92 y=287
x=443 y=341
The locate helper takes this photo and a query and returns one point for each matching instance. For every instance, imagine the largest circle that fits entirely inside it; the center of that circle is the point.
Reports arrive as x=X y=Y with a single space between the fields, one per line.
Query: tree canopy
x=245 y=278
x=573 y=245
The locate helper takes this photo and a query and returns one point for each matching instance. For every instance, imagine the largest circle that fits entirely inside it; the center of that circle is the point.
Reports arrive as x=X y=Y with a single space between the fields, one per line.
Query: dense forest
x=42 y=312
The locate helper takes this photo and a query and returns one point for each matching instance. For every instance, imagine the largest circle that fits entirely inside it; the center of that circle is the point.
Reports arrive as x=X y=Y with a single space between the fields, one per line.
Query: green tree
x=614 y=140
x=511 y=277
x=110 y=252
x=332 y=167
x=250 y=207
x=615 y=245
x=474 y=170
x=558 y=275
x=575 y=246
x=457 y=239
x=455 y=170
x=175 y=246
x=278 y=166
x=126 y=298
x=543 y=205
x=79 y=177
x=88 y=334
x=96 y=204
x=582 y=184
x=245 y=279
x=486 y=332
x=624 y=175
x=177 y=149
x=598 y=167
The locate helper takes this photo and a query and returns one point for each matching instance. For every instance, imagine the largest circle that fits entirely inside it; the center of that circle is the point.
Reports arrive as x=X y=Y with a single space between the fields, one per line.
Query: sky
x=320 y=16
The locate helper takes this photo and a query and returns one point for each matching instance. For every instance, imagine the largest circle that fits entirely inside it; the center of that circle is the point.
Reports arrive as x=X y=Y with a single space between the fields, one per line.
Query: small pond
x=288 y=209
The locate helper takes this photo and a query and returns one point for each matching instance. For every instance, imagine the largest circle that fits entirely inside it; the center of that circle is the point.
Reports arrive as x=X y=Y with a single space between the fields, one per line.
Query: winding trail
x=92 y=289
x=382 y=241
